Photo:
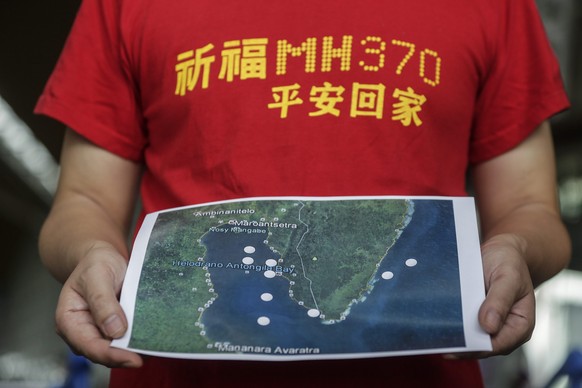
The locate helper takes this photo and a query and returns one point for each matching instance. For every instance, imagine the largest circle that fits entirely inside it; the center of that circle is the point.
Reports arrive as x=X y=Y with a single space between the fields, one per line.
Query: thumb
x=101 y=287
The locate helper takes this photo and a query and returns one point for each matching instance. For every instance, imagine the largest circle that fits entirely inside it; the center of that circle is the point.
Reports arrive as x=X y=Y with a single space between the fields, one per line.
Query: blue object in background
x=79 y=369
x=572 y=368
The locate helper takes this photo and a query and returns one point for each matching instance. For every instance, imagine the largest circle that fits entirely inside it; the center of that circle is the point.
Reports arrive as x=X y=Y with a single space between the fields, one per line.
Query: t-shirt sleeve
x=91 y=89
x=523 y=86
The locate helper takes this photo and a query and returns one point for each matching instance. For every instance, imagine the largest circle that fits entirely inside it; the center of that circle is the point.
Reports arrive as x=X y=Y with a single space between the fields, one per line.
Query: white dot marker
x=249 y=249
x=387 y=275
x=270 y=274
x=271 y=262
x=263 y=321
x=266 y=297
x=313 y=313
x=411 y=262
x=248 y=260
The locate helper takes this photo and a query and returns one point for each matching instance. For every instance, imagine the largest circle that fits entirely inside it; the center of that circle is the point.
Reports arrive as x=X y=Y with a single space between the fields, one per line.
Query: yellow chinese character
x=325 y=98
x=248 y=61
x=254 y=58
x=285 y=96
x=406 y=110
x=190 y=64
x=367 y=100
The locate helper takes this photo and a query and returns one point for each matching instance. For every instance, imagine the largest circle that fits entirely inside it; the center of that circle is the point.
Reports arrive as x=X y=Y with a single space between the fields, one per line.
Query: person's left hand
x=508 y=312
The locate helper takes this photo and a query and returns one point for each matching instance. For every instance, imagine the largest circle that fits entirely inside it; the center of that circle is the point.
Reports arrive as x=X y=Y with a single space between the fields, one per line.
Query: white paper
x=296 y=278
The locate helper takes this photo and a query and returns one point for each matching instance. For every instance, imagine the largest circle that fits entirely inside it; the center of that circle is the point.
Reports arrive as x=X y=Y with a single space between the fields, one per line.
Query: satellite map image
x=299 y=278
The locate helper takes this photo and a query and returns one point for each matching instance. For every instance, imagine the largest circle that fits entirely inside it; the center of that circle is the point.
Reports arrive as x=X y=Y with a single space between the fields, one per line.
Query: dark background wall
x=31 y=36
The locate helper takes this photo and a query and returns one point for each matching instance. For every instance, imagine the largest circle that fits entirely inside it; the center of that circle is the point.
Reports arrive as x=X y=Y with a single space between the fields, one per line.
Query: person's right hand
x=89 y=315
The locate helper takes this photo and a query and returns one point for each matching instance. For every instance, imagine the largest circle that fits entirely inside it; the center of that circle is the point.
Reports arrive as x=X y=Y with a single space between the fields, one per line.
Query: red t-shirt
x=224 y=100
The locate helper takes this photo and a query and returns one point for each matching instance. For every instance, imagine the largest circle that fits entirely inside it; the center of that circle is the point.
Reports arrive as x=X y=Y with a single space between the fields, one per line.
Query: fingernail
x=113 y=326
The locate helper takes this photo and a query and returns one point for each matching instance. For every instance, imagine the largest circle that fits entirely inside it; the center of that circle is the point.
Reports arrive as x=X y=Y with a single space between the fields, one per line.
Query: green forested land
x=166 y=306
x=345 y=242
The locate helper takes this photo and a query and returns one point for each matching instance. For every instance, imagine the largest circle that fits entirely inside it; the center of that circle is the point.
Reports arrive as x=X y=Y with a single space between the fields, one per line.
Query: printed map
x=298 y=277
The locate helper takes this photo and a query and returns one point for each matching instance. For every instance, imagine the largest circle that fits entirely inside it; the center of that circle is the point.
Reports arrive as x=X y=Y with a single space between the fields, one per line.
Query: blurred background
x=32 y=33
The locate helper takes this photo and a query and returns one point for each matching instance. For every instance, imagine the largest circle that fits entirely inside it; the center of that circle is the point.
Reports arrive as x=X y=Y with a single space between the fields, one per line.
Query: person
x=190 y=102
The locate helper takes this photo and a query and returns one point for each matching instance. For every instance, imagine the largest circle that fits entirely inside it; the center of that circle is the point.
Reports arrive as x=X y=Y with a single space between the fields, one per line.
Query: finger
x=507 y=282
x=517 y=327
x=506 y=295
x=99 y=350
x=100 y=287
x=498 y=302
x=508 y=313
x=76 y=326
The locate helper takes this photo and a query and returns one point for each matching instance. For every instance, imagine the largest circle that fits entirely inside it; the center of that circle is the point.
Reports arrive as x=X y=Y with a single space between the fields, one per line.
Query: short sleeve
x=91 y=88
x=523 y=86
